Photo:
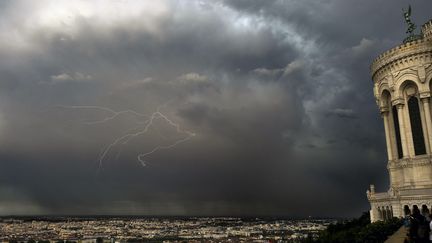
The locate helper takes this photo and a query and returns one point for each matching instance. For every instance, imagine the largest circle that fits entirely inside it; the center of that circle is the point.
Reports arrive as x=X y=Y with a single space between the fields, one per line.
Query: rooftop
x=416 y=46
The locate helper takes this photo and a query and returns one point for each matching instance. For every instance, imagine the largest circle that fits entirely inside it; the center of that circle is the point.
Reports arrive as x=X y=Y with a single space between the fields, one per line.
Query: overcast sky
x=237 y=107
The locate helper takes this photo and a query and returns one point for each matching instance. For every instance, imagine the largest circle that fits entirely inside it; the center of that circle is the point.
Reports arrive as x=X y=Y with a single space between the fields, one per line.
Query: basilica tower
x=402 y=88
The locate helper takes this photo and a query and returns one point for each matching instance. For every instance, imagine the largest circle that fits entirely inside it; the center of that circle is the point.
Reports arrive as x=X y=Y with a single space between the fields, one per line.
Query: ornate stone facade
x=402 y=87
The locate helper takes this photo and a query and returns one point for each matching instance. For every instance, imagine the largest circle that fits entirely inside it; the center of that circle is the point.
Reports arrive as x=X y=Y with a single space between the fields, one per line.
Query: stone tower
x=402 y=87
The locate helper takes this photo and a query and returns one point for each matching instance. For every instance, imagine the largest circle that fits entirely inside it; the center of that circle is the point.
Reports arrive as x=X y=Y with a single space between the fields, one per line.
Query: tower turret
x=427 y=30
x=402 y=88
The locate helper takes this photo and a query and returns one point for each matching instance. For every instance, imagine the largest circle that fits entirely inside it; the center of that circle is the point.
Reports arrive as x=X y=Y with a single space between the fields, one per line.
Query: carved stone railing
x=382 y=198
x=422 y=160
x=401 y=55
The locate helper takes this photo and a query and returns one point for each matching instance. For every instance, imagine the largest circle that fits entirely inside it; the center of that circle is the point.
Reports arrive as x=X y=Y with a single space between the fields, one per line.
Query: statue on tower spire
x=411 y=26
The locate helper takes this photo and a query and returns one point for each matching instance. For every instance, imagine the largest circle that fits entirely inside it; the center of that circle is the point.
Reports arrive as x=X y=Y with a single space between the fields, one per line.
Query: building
x=402 y=87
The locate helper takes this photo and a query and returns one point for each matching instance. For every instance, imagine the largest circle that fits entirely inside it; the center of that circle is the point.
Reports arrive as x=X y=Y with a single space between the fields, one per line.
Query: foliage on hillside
x=359 y=230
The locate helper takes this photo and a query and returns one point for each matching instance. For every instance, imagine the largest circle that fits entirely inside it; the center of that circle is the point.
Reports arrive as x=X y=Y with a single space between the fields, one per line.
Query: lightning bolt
x=140 y=156
x=114 y=114
x=137 y=131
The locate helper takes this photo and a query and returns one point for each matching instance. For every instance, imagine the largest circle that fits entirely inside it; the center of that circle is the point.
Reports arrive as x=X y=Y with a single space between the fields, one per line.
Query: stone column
x=402 y=129
x=397 y=211
x=408 y=132
x=385 y=115
x=392 y=130
x=372 y=215
x=428 y=121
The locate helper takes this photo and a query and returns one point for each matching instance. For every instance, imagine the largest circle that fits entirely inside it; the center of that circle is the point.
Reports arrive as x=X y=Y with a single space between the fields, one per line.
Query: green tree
x=359 y=230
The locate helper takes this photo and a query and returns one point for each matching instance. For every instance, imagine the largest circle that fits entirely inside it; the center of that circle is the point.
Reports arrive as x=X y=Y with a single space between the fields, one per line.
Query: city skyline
x=193 y=107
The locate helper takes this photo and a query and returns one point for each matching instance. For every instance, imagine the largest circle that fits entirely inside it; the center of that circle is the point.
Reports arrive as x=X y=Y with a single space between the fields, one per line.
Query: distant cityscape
x=134 y=229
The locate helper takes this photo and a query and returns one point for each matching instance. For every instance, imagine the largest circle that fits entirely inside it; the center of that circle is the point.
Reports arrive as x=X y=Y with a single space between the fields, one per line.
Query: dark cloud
x=342 y=113
x=277 y=94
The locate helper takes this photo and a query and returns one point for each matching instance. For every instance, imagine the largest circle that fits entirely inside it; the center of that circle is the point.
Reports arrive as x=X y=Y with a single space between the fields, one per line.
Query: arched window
x=425 y=211
x=407 y=210
x=397 y=132
x=380 y=213
x=416 y=126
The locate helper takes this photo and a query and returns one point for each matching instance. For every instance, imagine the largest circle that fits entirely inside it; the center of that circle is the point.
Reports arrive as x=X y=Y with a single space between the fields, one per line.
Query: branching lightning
x=137 y=131
x=114 y=114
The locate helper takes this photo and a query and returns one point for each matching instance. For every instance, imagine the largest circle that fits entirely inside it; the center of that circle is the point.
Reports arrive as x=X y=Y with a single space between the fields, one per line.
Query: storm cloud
x=277 y=94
